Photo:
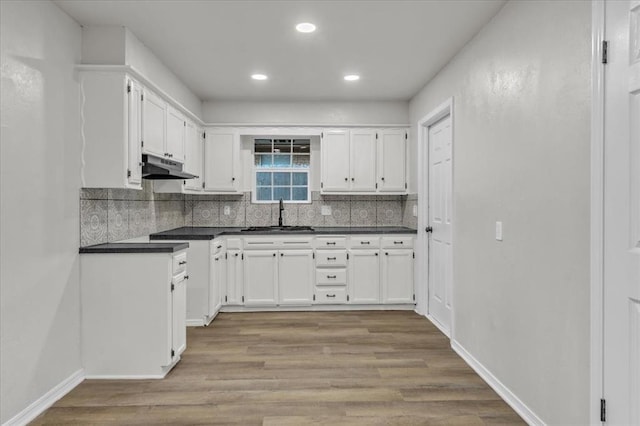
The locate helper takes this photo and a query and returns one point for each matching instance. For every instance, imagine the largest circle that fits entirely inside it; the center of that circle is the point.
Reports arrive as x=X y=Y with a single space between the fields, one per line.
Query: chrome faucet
x=281 y=210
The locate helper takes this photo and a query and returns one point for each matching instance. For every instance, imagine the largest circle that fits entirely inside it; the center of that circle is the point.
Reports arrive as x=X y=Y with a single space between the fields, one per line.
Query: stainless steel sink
x=277 y=229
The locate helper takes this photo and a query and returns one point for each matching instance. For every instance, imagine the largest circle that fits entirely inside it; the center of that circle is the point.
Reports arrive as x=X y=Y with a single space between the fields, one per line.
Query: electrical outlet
x=326 y=210
x=227 y=210
x=415 y=211
x=499 y=231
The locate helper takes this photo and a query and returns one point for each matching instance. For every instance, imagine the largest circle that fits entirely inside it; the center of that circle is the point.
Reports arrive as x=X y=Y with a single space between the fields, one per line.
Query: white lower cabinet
x=218 y=281
x=260 y=278
x=397 y=276
x=234 y=281
x=295 y=277
x=133 y=313
x=364 y=276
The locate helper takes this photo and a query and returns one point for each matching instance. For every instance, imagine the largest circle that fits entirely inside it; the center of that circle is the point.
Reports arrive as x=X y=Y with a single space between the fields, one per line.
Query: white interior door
x=440 y=257
x=622 y=214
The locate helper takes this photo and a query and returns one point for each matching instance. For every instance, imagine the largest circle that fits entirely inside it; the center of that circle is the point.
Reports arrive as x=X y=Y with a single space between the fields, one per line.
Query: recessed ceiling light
x=306 y=27
x=352 y=77
x=259 y=77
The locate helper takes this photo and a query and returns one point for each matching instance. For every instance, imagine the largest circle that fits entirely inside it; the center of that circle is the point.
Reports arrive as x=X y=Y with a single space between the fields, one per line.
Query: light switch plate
x=227 y=210
x=499 y=231
x=326 y=210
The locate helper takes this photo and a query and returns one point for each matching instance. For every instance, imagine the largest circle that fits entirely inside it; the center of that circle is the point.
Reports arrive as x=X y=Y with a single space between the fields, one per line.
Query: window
x=282 y=170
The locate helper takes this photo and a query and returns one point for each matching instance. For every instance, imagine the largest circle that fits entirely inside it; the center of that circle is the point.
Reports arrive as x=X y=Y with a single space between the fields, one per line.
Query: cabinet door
x=218 y=281
x=397 y=276
x=221 y=161
x=154 y=118
x=175 y=134
x=295 y=277
x=363 y=160
x=234 y=292
x=179 y=317
x=391 y=160
x=334 y=166
x=260 y=278
x=364 y=276
x=193 y=156
x=134 y=137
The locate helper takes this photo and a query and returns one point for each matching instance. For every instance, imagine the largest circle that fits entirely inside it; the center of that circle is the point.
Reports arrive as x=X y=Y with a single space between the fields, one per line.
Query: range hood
x=158 y=168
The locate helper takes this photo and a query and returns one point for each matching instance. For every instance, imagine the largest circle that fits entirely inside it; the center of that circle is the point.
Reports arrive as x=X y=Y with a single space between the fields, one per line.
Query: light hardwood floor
x=286 y=368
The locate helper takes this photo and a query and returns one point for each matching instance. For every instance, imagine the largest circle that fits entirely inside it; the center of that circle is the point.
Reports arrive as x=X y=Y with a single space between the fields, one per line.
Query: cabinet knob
x=376 y=254
x=346 y=179
x=274 y=254
x=353 y=179
x=281 y=254
x=382 y=179
x=386 y=253
x=233 y=179
x=236 y=254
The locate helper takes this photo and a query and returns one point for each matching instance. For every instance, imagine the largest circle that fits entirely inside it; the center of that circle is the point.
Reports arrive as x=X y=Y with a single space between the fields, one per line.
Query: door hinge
x=142 y=144
x=173 y=353
x=242 y=257
x=405 y=185
x=313 y=255
x=173 y=287
x=321 y=184
x=225 y=299
x=314 y=297
x=242 y=299
x=605 y=51
x=204 y=135
x=128 y=173
x=322 y=135
x=376 y=185
x=347 y=256
x=376 y=135
x=225 y=256
x=185 y=124
x=142 y=97
x=129 y=88
x=414 y=297
x=405 y=136
x=603 y=410
x=347 y=297
x=202 y=185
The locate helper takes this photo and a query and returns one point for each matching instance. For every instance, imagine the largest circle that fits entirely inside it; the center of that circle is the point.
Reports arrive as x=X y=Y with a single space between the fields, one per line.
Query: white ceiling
x=214 y=46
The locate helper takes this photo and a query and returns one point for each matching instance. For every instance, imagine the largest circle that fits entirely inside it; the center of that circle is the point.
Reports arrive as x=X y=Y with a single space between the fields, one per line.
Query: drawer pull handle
x=331 y=295
x=183 y=262
x=331 y=276
x=219 y=247
x=331 y=243
x=332 y=258
x=398 y=242
x=365 y=242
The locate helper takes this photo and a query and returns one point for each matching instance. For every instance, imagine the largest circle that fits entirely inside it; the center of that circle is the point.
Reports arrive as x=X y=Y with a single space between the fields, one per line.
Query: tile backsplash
x=108 y=215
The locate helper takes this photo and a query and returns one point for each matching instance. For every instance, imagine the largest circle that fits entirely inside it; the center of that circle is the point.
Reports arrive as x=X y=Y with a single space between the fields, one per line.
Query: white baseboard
x=125 y=377
x=504 y=392
x=317 y=308
x=438 y=325
x=195 y=323
x=46 y=400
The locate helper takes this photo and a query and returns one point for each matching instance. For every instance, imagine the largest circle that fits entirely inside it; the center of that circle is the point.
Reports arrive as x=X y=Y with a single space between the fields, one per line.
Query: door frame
x=422 y=293
x=597 y=213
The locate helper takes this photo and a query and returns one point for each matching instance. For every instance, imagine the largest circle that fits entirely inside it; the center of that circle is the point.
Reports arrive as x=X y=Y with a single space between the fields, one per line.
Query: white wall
x=40 y=180
x=521 y=146
x=312 y=113
x=112 y=45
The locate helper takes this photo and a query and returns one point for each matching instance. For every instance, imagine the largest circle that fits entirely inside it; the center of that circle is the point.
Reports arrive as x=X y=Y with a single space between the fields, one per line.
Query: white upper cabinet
x=335 y=160
x=154 y=120
x=193 y=156
x=222 y=171
x=111 y=129
x=363 y=161
x=176 y=126
x=134 y=171
x=391 y=160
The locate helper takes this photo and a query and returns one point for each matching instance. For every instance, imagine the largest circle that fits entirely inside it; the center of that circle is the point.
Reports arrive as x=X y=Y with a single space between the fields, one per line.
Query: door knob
x=428 y=229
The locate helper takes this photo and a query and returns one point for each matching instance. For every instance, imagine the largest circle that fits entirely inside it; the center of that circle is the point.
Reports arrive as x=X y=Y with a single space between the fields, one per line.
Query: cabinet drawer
x=364 y=242
x=397 y=242
x=258 y=243
x=327 y=276
x=234 y=243
x=217 y=246
x=294 y=242
x=331 y=258
x=179 y=262
x=331 y=295
x=331 y=242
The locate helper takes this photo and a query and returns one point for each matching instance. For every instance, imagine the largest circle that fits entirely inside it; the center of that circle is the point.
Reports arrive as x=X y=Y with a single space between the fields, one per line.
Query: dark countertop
x=135 y=248
x=209 y=233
